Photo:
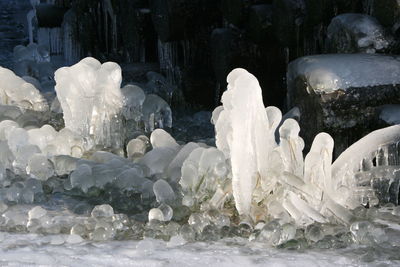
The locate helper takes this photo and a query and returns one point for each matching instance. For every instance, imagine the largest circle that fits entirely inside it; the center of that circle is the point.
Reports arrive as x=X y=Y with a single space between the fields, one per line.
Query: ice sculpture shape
x=268 y=178
x=243 y=137
x=16 y=92
x=91 y=99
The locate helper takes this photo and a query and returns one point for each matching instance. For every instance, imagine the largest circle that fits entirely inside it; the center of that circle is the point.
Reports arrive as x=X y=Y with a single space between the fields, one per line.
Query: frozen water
x=91 y=100
x=349 y=33
x=102 y=211
x=40 y=167
x=156 y=113
x=17 y=92
x=327 y=73
x=244 y=137
x=160 y=138
x=163 y=192
x=136 y=148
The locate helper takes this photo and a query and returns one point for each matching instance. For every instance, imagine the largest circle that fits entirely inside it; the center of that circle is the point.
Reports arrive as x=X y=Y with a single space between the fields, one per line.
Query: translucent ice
x=163 y=192
x=15 y=91
x=40 y=167
x=160 y=138
x=91 y=99
x=156 y=113
x=240 y=130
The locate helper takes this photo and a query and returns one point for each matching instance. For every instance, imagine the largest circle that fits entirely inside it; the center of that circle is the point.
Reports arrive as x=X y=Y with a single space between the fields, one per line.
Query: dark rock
x=259 y=24
x=234 y=11
x=352 y=33
x=386 y=11
x=50 y=16
x=342 y=94
x=319 y=11
x=224 y=52
x=288 y=17
x=169 y=18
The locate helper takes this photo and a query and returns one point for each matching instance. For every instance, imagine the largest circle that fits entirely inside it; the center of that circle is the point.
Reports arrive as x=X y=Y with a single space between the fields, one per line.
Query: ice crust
x=328 y=73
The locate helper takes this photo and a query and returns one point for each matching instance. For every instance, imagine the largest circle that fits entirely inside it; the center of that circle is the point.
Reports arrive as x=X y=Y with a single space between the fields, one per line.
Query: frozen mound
x=15 y=91
x=325 y=74
x=34 y=61
x=354 y=33
x=90 y=97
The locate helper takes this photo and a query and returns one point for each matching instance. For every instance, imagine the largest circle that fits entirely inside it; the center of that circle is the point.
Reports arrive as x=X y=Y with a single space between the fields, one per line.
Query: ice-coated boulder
x=17 y=92
x=91 y=100
x=352 y=33
x=342 y=94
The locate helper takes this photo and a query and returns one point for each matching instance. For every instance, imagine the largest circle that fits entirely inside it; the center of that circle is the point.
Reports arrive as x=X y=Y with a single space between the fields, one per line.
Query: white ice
x=327 y=73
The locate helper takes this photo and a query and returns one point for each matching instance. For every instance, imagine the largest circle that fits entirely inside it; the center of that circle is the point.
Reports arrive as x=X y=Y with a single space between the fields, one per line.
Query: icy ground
x=31 y=249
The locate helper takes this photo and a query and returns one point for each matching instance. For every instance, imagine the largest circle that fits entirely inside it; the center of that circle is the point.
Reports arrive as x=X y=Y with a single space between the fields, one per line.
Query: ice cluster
x=103 y=177
x=94 y=105
x=15 y=91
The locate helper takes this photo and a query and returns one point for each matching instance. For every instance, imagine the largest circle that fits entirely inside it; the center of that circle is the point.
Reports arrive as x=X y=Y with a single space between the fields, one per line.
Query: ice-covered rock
x=353 y=33
x=342 y=93
x=91 y=99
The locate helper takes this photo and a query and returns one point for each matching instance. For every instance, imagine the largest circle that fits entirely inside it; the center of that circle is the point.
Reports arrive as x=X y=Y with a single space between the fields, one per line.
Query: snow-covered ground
x=35 y=250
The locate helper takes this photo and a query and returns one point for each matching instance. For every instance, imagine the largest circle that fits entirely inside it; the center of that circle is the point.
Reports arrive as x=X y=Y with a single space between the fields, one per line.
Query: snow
x=325 y=74
x=37 y=250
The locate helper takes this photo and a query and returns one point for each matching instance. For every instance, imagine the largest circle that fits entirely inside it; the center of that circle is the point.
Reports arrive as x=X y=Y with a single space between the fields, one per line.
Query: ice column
x=91 y=100
x=241 y=128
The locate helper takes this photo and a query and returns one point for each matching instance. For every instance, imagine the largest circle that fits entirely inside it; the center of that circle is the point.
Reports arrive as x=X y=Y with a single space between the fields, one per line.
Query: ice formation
x=91 y=100
x=15 y=91
x=254 y=184
x=349 y=33
x=328 y=73
x=270 y=179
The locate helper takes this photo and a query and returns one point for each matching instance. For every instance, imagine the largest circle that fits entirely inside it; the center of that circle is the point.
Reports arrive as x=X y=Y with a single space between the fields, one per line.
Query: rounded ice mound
x=160 y=138
x=40 y=167
x=133 y=97
x=90 y=97
x=136 y=148
x=15 y=91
